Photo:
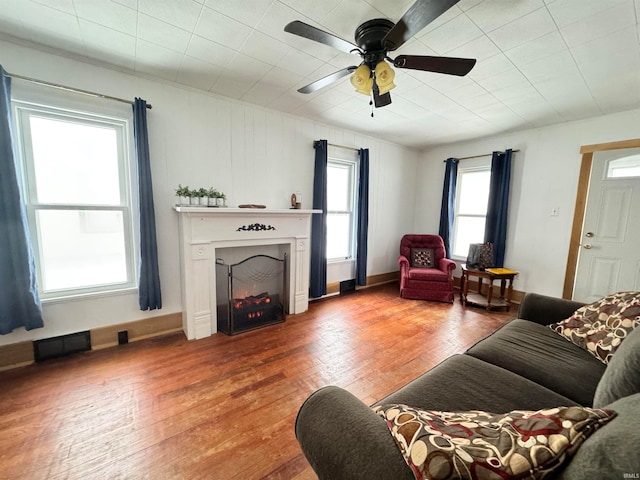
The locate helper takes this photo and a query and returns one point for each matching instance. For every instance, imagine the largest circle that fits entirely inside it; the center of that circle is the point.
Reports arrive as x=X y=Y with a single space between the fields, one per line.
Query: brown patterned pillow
x=480 y=445
x=422 y=258
x=600 y=327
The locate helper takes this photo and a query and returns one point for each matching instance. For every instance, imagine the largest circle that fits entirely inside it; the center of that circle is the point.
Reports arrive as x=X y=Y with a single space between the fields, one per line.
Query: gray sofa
x=524 y=365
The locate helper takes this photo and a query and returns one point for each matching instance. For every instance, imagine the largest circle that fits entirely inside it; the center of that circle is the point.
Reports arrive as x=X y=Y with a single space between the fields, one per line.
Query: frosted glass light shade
x=384 y=77
x=361 y=80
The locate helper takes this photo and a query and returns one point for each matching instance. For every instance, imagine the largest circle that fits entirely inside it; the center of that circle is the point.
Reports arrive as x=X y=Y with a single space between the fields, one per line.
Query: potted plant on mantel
x=213 y=195
x=203 y=197
x=220 y=199
x=183 y=194
x=193 y=197
x=216 y=198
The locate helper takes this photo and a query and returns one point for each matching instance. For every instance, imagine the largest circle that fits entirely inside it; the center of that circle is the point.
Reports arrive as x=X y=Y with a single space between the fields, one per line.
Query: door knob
x=586 y=245
x=589 y=234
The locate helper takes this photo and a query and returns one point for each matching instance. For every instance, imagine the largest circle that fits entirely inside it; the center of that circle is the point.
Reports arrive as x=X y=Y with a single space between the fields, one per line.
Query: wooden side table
x=505 y=276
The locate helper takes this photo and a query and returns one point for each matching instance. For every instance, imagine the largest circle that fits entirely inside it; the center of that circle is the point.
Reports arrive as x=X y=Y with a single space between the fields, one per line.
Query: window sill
x=341 y=260
x=88 y=296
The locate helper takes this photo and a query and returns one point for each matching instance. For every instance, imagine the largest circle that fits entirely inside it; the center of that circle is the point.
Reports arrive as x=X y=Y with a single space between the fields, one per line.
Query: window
x=78 y=202
x=341 y=187
x=472 y=198
x=624 y=167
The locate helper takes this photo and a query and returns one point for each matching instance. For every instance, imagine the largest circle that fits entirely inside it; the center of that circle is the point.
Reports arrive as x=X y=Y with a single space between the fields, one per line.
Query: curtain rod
x=480 y=156
x=340 y=146
x=71 y=89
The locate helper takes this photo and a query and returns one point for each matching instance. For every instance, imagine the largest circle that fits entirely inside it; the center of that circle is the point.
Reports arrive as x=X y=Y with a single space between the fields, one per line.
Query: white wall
x=544 y=176
x=252 y=154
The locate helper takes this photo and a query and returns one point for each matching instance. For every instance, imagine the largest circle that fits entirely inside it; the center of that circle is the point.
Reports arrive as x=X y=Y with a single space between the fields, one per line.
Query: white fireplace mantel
x=205 y=229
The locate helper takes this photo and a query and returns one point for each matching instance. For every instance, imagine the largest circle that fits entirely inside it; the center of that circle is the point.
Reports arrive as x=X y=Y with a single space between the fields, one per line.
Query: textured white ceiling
x=540 y=62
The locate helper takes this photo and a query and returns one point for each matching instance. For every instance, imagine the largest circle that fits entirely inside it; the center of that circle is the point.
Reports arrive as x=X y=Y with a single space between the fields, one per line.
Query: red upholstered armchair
x=425 y=271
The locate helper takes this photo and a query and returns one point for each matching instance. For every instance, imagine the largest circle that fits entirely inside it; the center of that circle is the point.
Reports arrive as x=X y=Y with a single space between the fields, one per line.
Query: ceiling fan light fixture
x=361 y=80
x=373 y=40
x=384 y=77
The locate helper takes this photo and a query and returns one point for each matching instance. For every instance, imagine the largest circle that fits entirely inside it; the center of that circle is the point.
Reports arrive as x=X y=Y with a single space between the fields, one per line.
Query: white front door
x=609 y=259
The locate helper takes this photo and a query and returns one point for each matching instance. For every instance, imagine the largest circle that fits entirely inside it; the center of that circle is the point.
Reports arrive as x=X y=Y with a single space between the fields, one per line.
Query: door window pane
x=624 y=167
x=81 y=248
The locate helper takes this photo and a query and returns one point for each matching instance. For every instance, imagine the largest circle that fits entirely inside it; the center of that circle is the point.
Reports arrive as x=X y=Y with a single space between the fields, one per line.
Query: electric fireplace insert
x=250 y=294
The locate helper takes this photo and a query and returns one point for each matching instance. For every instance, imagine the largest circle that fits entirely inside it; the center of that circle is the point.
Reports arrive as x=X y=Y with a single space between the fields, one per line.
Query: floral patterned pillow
x=486 y=446
x=600 y=327
x=422 y=258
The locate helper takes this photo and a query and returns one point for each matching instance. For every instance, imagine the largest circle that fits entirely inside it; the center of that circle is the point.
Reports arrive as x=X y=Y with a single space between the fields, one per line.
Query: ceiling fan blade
x=421 y=14
x=328 y=80
x=312 y=33
x=448 y=65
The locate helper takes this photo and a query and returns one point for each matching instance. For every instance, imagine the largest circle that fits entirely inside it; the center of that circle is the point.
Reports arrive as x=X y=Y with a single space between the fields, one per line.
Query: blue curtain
x=318 y=281
x=19 y=299
x=448 y=202
x=498 y=208
x=150 y=297
x=363 y=218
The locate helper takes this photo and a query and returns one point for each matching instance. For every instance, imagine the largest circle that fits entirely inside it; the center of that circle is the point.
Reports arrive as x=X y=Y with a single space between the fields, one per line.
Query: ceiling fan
x=374 y=39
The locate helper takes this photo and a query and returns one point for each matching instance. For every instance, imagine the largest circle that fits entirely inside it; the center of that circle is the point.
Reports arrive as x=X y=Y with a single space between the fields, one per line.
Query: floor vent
x=61 y=346
x=347 y=286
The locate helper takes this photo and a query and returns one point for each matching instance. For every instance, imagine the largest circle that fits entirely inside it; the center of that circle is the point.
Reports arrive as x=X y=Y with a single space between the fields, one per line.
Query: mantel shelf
x=246 y=211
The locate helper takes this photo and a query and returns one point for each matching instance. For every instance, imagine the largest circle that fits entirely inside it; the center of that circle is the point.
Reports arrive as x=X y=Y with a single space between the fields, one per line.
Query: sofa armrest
x=546 y=310
x=343 y=439
x=403 y=261
x=447 y=265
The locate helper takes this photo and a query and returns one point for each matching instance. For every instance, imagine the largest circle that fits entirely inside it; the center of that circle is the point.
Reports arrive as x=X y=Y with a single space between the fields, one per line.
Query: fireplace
x=209 y=233
x=250 y=294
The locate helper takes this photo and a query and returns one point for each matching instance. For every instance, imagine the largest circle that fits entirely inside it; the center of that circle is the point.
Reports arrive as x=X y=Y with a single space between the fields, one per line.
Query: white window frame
x=124 y=133
x=470 y=166
x=352 y=166
x=625 y=166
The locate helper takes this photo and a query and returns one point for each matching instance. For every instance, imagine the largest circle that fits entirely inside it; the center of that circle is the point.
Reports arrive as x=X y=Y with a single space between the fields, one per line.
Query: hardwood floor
x=222 y=407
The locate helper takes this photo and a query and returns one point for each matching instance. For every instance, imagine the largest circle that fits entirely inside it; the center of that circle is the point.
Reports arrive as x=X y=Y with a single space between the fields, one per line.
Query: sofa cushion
x=612 y=451
x=462 y=382
x=622 y=377
x=539 y=354
x=600 y=327
x=428 y=274
x=476 y=444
